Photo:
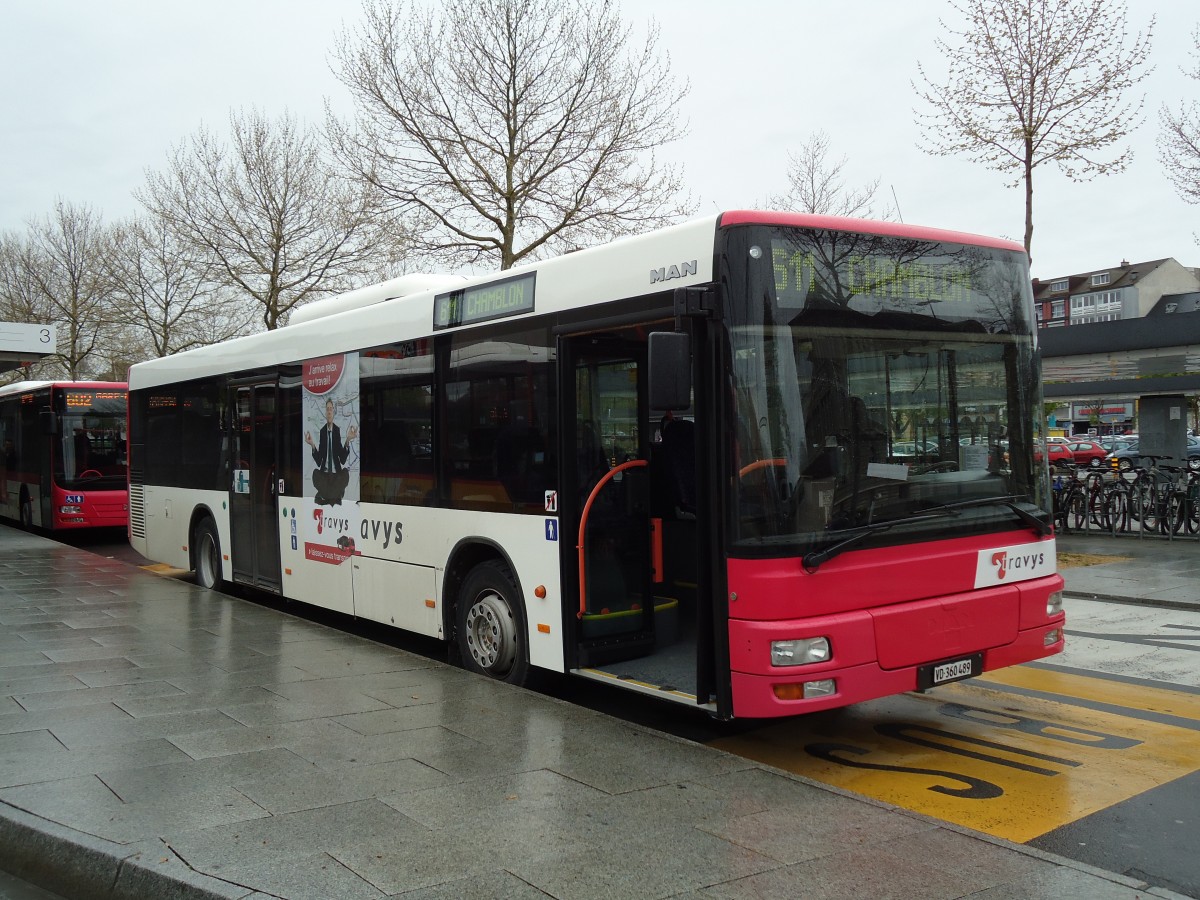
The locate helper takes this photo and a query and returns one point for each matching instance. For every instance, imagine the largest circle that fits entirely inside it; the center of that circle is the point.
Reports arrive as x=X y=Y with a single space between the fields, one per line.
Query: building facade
x=1126 y=291
x=1096 y=373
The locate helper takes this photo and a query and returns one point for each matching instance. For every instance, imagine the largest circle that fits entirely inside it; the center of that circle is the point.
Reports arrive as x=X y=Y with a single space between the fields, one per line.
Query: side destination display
x=482 y=302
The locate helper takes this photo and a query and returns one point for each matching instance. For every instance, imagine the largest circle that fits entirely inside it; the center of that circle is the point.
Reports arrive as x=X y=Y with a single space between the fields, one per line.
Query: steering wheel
x=938 y=467
x=91 y=473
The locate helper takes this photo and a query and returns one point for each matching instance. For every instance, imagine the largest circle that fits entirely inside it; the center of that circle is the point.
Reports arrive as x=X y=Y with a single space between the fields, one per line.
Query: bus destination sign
x=482 y=302
x=87 y=399
x=933 y=280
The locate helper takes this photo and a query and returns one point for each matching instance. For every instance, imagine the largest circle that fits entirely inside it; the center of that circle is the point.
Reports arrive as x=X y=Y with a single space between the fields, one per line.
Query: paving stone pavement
x=160 y=740
x=1153 y=570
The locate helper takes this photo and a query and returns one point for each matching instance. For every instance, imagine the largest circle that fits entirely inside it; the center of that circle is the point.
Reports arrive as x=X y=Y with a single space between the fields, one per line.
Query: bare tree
x=1037 y=81
x=1179 y=140
x=163 y=291
x=20 y=298
x=816 y=185
x=122 y=347
x=60 y=267
x=511 y=129
x=281 y=224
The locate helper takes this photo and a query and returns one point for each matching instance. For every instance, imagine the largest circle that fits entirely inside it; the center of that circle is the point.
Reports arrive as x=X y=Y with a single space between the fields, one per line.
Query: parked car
x=1087 y=453
x=921 y=449
x=1111 y=442
x=1128 y=457
x=1057 y=454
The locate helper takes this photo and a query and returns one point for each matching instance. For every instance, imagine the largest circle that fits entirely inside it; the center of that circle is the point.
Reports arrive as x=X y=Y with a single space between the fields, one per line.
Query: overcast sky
x=96 y=92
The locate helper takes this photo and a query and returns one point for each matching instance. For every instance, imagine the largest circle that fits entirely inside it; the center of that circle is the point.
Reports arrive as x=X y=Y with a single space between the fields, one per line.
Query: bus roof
x=21 y=387
x=866 y=226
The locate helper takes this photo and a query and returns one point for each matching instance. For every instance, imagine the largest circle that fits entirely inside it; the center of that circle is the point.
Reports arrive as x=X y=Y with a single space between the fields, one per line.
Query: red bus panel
x=881 y=641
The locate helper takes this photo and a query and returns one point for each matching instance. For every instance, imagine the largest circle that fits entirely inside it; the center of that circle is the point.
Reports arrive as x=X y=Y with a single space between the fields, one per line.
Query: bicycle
x=1118 y=502
x=1067 y=502
x=1159 y=496
x=1186 y=499
x=1080 y=499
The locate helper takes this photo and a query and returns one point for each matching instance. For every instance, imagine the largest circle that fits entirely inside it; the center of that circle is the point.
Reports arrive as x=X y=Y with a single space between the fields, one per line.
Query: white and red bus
x=761 y=463
x=63 y=462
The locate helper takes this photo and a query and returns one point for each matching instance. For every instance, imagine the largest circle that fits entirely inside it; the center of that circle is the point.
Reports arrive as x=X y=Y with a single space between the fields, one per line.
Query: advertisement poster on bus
x=330 y=422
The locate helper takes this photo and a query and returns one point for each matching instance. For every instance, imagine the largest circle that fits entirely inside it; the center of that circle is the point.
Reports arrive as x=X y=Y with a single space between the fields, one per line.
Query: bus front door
x=605 y=516
x=253 y=514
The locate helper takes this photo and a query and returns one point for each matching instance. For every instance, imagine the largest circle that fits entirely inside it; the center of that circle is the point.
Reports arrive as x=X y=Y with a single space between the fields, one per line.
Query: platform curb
x=75 y=864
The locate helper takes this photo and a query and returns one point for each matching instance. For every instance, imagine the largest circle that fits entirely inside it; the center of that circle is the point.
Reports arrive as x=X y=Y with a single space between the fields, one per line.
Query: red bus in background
x=63 y=462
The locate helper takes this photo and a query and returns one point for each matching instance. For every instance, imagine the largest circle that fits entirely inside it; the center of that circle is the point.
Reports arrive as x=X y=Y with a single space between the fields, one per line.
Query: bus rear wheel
x=490 y=624
x=206 y=555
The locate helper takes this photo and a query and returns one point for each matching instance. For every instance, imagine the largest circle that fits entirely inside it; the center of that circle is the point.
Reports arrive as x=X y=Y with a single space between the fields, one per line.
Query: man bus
x=673 y=462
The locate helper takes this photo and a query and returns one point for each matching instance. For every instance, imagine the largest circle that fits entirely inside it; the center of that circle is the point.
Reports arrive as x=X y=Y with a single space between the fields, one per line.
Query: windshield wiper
x=1010 y=502
x=814 y=558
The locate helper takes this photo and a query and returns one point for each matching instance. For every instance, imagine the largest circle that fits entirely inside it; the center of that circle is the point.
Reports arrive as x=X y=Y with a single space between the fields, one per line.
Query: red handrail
x=760 y=464
x=587 y=508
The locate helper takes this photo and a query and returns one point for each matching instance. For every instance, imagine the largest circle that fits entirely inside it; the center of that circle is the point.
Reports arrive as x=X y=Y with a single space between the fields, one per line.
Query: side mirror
x=670 y=374
x=48 y=421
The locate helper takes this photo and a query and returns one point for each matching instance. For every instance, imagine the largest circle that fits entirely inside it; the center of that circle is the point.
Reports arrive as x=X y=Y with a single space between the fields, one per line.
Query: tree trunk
x=1028 y=199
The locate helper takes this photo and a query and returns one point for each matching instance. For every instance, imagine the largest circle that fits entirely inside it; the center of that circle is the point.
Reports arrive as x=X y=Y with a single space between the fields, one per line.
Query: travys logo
x=1018 y=562
x=324 y=522
x=1029 y=561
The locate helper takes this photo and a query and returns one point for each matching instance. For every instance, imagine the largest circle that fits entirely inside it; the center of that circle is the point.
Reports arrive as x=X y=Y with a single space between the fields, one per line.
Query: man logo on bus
x=666 y=273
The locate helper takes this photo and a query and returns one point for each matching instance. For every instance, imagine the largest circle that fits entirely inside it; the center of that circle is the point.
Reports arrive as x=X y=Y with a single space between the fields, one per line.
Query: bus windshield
x=885 y=389
x=92 y=452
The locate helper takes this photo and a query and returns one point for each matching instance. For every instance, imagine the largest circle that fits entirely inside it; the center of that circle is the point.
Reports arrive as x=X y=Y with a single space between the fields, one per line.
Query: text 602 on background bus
x=761 y=463
x=63 y=461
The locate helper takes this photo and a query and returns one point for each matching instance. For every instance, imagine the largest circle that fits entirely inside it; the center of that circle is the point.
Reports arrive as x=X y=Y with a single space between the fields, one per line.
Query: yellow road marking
x=164 y=569
x=1100 y=690
x=1013 y=766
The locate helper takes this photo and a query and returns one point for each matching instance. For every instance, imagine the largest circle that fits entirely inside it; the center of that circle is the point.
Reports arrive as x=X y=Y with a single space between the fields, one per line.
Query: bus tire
x=25 y=510
x=490 y=624
x=206 y=555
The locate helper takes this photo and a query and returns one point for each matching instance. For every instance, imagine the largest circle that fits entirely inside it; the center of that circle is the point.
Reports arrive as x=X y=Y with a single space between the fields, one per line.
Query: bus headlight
x=800 y=652
x=1054 y=604
x=70 y=510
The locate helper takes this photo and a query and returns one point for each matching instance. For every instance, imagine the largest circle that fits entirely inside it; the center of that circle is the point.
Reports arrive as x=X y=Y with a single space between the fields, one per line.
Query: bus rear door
x=253 y=513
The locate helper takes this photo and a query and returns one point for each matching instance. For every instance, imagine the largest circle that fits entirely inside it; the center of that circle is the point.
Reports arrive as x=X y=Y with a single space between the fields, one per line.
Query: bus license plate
x=953 y=670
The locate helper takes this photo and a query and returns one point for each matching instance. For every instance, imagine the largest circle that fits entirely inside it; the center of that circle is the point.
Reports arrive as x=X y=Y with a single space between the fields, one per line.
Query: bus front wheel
x=206 y=555
x=26 y=511
x=490 y=624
